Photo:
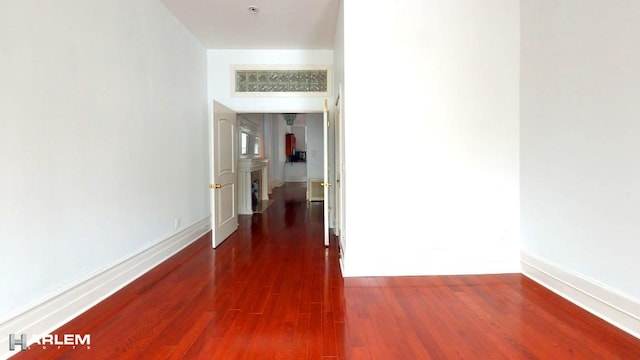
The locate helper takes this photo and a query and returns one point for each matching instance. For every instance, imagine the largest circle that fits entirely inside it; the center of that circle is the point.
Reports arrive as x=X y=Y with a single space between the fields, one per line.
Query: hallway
x=272 y=291
x=272 y=277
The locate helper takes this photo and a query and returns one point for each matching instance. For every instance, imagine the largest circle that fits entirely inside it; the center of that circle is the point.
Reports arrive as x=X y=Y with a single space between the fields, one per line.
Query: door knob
x=215 y=186
x=325 y=184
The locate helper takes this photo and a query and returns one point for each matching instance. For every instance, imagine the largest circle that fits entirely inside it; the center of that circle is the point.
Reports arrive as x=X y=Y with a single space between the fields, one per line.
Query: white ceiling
x=279 y=24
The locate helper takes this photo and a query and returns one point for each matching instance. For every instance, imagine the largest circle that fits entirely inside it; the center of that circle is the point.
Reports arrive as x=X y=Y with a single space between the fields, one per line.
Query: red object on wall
x=290 y=144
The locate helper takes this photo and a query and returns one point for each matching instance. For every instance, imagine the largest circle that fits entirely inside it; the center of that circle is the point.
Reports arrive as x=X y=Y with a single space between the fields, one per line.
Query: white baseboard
x=612 y=306
x=54 y=312
x=275 y=184
x=295 y=179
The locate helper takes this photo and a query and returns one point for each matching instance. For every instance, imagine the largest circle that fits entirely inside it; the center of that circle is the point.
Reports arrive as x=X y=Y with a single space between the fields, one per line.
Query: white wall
x=315 y=146
x=278 y=157
x=300 y=134
x=220 y=62
x=338 y=83
x=432 y=184
x=580 y=144
x=311 y=125
x=103 y=139
x=295 y=172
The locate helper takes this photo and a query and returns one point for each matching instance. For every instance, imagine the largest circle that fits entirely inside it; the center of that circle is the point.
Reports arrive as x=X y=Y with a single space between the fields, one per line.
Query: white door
x=224 y=184
x=325 y=183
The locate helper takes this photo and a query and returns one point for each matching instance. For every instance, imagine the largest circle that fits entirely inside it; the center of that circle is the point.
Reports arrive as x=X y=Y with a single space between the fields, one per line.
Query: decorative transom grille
x=248 y=81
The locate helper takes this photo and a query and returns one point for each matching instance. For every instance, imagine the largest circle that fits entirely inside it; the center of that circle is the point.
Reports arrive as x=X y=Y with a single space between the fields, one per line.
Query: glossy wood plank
x=272 y=291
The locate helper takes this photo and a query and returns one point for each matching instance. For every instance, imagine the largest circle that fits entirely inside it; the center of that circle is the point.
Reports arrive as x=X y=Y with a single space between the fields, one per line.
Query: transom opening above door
x=283 y=80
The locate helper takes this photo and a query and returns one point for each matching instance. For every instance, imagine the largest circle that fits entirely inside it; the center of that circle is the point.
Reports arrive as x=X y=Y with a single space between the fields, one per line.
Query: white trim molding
x=295 y=179
x=50 y=314
x=609 y=304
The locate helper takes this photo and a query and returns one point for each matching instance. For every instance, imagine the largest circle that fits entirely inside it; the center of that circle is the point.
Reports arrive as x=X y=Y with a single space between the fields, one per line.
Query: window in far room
x=243 y=143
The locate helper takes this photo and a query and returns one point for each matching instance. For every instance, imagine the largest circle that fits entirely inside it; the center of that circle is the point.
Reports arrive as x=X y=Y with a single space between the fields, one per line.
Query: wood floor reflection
x=273 y=291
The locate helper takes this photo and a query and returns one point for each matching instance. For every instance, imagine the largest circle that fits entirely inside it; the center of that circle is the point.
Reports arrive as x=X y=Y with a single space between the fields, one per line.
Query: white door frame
x=325 y=182
x=339 y=171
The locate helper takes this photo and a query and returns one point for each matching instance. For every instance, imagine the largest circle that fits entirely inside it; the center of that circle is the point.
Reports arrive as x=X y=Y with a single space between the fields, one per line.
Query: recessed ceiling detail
x=281 y=81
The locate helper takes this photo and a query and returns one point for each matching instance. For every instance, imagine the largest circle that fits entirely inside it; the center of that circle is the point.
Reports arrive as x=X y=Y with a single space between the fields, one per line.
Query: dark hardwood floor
x=273 y=291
